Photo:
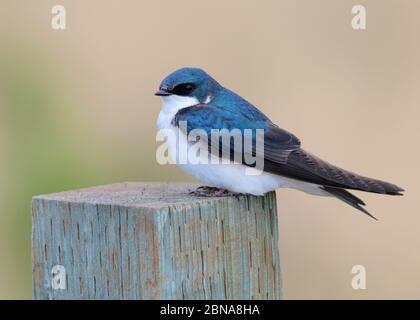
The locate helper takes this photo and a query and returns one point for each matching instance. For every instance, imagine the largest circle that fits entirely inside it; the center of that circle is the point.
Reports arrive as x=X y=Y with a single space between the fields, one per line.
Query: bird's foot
x=205 y=191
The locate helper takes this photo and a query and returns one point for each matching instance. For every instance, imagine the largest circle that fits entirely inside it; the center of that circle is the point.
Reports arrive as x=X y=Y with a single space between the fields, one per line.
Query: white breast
x=233 y=176
x=171 y=105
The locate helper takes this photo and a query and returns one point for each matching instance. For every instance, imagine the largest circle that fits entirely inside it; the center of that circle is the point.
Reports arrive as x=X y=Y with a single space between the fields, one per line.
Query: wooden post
x=154 y=241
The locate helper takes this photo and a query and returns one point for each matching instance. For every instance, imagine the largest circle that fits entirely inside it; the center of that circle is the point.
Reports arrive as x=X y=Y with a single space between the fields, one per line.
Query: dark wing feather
x=304 y=166
x=282 y=152
x=278 y=143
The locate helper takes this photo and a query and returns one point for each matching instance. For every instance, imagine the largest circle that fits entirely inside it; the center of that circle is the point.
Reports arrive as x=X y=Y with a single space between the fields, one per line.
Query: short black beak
x=162 y=92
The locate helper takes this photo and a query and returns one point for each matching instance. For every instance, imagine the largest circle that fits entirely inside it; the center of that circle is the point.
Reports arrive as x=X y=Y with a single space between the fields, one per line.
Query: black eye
x=183 y=89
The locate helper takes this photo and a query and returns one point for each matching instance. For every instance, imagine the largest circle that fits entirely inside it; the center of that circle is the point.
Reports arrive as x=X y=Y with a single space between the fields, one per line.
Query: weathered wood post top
x=154 y=241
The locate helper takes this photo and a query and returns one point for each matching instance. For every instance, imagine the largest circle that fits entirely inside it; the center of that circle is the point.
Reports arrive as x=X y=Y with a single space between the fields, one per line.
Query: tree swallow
x=190 y=95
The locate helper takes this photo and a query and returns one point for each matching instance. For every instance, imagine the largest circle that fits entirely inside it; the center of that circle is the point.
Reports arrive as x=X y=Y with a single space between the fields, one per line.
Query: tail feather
x=348 y=198
x=305 y=166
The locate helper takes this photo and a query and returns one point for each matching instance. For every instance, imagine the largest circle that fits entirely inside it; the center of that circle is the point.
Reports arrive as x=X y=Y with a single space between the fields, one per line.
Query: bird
x=191 y=96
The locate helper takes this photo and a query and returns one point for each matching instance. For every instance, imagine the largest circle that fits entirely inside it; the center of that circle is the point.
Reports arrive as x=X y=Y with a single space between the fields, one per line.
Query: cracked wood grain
x=155 y=241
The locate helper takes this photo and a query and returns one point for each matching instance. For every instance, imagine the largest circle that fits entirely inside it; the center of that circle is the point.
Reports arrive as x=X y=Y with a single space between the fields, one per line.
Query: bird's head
x=189 y=82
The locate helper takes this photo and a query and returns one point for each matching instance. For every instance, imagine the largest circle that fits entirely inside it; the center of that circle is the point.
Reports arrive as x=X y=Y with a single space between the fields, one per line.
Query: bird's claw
x=205 y=191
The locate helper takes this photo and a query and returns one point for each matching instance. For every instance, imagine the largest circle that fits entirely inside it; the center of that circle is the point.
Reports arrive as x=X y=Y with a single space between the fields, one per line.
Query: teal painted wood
x=154 y=241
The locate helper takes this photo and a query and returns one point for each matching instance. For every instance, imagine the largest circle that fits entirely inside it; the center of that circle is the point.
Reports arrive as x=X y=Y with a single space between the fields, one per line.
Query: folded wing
x=283 y=154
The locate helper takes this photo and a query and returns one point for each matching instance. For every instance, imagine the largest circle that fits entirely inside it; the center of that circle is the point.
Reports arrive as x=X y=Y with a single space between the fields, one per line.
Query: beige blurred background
x=77 y=109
